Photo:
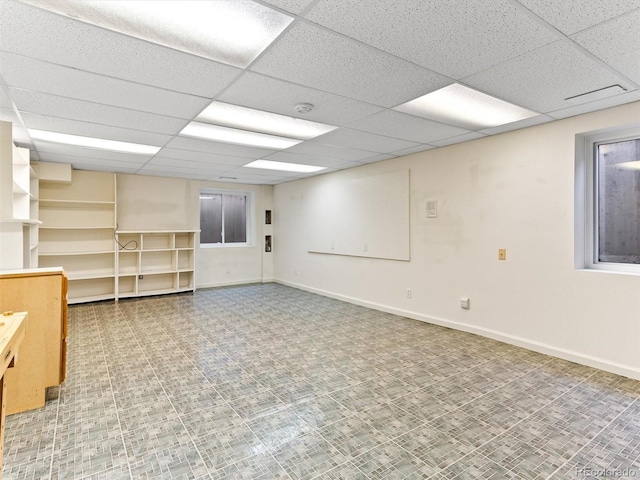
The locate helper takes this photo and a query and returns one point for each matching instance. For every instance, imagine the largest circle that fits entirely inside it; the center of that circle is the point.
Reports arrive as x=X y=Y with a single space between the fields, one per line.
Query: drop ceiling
x=354 y=60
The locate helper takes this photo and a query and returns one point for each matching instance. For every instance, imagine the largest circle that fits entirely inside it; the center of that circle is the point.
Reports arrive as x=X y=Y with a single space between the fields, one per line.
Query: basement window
x=224 y=218
x=611 y=194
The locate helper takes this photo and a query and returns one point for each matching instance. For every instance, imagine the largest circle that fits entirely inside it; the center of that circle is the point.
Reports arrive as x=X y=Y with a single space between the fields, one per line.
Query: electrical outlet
x=364 y=248
x=502 y=254
x=464 y=303
x=408 y=293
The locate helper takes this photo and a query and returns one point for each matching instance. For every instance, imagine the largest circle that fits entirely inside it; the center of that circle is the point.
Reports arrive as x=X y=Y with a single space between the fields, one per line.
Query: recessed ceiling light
x=231 y=32
x=283 y=166
x=90 y=142
x=236 y=136
x=246 y=118
x=464 y=107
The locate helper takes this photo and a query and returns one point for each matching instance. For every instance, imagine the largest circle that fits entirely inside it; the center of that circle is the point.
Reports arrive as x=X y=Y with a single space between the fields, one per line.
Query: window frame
x=249 y=217
x=586 y=198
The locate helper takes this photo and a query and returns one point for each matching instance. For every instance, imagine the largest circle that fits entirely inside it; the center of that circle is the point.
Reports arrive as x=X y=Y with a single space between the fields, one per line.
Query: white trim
x=544 y=348
x=585 y=219
x=249 y=217
x=226 y=245
x=230 y=284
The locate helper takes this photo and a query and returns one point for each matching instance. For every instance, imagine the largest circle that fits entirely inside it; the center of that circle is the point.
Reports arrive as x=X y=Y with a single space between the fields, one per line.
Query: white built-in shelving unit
x=18 y=205
x=34 y=213
x=155 y=262
x=53 y=216
x=77 y=233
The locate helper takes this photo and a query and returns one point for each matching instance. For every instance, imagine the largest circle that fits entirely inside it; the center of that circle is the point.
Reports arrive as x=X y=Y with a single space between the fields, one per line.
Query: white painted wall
x=159 y=203
x=513 y=191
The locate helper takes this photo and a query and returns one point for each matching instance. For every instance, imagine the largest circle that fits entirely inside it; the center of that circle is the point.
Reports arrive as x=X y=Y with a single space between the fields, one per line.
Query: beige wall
x=159 y=203
x=513 y=191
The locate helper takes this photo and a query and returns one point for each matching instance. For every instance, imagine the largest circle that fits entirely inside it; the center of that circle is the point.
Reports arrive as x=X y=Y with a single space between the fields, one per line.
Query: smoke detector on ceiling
x=303 y=107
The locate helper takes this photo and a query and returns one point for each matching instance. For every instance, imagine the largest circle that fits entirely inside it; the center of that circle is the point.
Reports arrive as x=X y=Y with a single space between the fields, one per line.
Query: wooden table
x=13 y=327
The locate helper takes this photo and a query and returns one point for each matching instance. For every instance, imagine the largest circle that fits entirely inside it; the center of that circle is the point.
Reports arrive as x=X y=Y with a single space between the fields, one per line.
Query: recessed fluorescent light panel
x=90 y=142
x=283 y=166
x=228 y=123
x=232 y=31
x=245 y=118
x=239 y=137
x=464 y=107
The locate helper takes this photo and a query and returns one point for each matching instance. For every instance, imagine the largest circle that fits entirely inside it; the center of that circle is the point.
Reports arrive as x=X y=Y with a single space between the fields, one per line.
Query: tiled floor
x=265 y=381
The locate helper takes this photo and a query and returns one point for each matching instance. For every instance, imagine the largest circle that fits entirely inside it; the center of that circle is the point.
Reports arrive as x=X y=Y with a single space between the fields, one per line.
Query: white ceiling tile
x=452 y=37
x=293 y=6
x=25 y=73
x=309 y=160
x=184 y=143
x=598 y=105
x=9 y=115
x=617 y=43
x=273 y=95
x=114 y=86
x=86 y=129
x=69 y=42
x=406 y=127
x=245 y=179
x=541 y=80
x=200 y=157
x=571 y=16
x=89 y=160
x=47 y=148
x=376 y=158
x=322 y=150
x=312 y=56
x=103 y=167
x=409 y=151
x=258 y=173
x=163 y=172
x=458 y=139
x=5 y=101
x=72 y=109
x=527 y=122
x=187 y=167
x=346 y=137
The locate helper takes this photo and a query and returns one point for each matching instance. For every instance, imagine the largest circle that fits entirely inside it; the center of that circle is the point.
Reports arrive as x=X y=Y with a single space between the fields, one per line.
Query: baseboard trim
x=231 y=284
x=546 y=349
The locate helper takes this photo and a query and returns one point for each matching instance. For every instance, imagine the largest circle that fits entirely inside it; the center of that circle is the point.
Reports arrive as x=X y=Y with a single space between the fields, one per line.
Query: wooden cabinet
x=77 y=233
x=42 y=293
x=155 y=262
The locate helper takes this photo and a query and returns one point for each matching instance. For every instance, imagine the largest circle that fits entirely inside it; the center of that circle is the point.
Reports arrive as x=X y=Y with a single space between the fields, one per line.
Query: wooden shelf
x=163 y=262
x=106 y=227
x=49 y=202
x=89 y=275
x=77 y=233
x=68 y=254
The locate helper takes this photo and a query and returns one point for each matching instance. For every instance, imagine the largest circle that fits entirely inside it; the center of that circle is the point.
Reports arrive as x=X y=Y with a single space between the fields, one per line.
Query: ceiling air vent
x=596 y=95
